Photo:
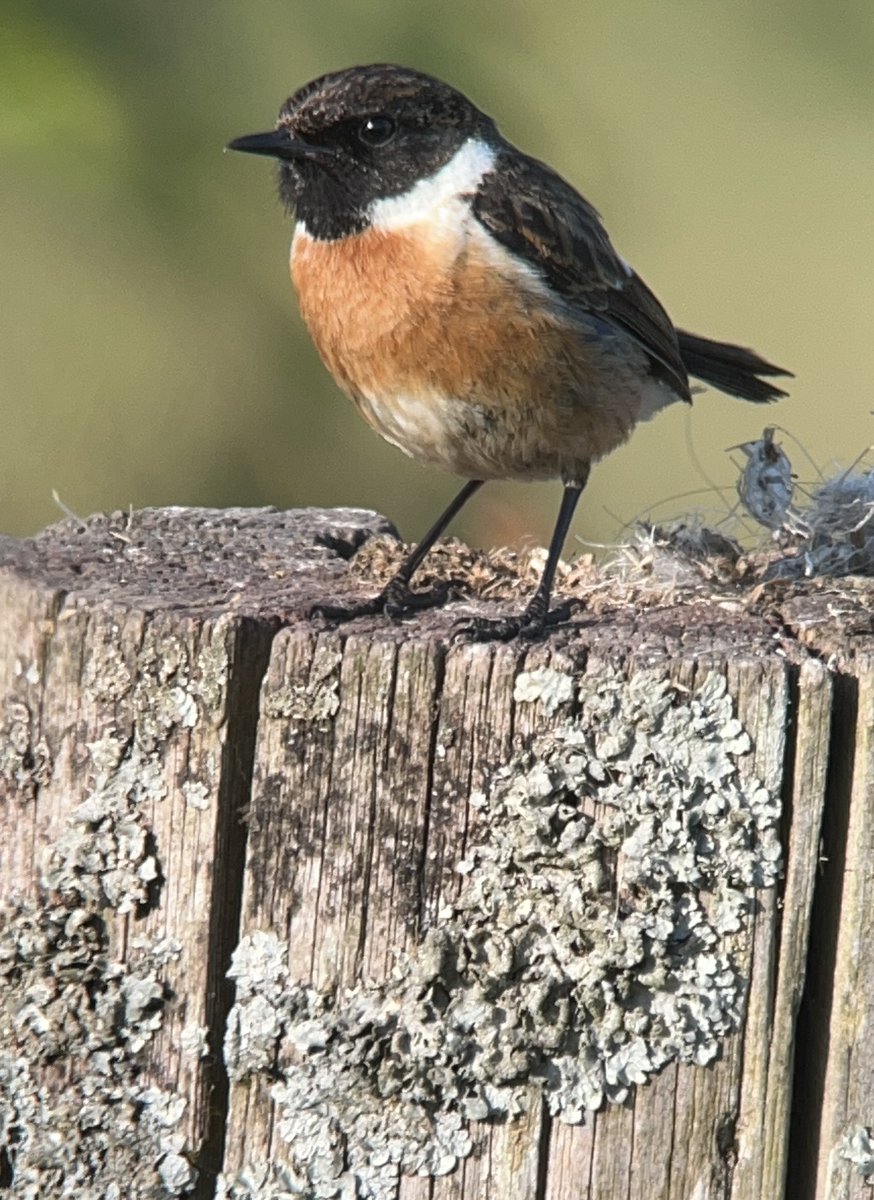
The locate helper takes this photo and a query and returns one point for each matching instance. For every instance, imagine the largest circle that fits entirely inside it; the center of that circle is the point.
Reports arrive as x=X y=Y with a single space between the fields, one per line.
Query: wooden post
x=298 y=910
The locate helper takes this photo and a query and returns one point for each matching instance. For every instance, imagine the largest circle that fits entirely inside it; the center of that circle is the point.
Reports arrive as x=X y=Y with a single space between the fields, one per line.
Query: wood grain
x=325 y=788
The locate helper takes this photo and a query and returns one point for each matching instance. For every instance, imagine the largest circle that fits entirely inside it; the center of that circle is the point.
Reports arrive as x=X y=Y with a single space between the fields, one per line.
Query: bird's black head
x=354 y=137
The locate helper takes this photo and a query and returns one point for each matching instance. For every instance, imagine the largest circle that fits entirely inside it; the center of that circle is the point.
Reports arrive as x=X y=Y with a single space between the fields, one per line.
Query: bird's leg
x=397 y=597
x=531 y=623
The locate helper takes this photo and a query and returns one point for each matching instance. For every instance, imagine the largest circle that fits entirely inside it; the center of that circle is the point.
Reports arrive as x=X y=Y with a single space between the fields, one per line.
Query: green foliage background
x=150 y=348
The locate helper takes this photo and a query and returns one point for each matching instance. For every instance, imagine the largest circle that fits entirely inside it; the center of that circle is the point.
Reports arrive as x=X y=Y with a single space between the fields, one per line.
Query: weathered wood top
x=273 y=565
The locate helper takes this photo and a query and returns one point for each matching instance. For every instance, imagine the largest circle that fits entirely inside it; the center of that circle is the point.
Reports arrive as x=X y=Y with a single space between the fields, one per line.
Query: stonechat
x=469 y=301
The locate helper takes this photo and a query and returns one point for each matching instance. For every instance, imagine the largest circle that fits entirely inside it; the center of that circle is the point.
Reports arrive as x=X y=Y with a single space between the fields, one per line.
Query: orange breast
x=452 y=351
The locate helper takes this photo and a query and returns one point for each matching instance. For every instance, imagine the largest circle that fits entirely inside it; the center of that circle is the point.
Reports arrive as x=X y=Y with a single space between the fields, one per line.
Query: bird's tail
x=730 y=368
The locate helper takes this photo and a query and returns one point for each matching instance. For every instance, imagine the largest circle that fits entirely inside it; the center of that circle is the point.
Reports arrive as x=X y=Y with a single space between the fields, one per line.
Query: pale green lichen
x=197 y=794
x=178 y=685
x=552 y=688
x=75 y=1118
x=106 y=676
x=163 y=697
x=25 y=764
x=103 y=855
x=30 y=672
x=212 y=666
x=194 y=1041
x=591 y=946
x=857 y=1146
x=65 y=1007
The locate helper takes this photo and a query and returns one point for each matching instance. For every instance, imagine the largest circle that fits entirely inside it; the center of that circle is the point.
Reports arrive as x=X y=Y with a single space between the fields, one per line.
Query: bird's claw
x=528 y=626
x=399 y=601
x=396 y=600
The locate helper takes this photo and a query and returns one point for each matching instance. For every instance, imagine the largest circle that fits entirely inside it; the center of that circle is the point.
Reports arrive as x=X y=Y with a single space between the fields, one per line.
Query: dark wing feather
x=539 y=217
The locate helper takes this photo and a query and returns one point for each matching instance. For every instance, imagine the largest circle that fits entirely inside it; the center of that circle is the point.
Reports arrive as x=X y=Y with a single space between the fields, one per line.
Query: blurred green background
x=150 y=347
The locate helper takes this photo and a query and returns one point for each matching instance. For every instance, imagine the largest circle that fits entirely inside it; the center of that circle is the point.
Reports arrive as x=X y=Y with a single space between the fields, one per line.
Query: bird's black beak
x=278 y=143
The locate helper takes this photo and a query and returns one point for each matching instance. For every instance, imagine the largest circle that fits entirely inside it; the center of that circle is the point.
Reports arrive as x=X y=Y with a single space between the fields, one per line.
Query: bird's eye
x=376 y=131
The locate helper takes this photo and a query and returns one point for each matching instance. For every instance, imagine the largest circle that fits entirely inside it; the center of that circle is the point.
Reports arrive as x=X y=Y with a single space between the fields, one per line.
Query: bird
x=469 y=301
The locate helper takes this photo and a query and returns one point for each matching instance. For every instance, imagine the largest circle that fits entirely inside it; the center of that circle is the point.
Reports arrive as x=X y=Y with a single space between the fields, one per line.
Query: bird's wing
x=538 y=216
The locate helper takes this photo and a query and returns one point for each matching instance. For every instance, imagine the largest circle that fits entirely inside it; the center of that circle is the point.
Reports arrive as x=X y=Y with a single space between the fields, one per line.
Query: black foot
x=348 y=612
x=395 y=600
x=528 y=626
x=398 y=599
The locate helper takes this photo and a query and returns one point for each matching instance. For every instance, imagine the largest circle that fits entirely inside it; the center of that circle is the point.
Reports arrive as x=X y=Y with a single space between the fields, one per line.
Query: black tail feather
x=730 y=368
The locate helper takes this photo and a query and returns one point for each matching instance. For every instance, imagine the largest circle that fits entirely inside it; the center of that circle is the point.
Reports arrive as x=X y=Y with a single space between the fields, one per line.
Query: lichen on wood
x=481 y=888
x=590 y=946
x=76 y=1117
